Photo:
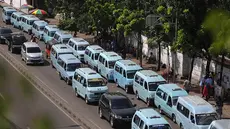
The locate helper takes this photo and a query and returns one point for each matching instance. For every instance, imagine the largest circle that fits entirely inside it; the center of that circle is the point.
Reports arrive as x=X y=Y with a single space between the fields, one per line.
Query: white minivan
x=193 y=112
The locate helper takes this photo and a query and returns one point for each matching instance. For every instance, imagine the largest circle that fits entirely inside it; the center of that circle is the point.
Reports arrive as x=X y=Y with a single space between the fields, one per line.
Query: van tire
x=174 y=118
x=86 y=100
x=100 y=113
x=60 y=76
x=126 y=89
x=137 y=95
x=68 y=81
x=181 y=126
x=160 y=110
x=111 y=121
x=148 y=102
x=52 y=64
x=76 y=94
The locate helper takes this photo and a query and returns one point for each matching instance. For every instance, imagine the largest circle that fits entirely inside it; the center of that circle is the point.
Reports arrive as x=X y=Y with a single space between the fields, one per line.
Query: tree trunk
x=209 y=59
x=221 y=68
x=168 y=64
x=191 y=69
x=140 y=47
x=159 y=56
x=124 y=46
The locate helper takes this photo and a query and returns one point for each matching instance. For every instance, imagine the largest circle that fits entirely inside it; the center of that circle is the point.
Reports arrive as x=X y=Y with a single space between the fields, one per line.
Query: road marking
x=94 y=124
x=50 y=88
x=42 y=92
x=35 y=76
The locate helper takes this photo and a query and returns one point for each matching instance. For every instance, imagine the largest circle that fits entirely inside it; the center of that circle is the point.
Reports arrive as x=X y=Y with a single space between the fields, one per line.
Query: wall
x=16 y=3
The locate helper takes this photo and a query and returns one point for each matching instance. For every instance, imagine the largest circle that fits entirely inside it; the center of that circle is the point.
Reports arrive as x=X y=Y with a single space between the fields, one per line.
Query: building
x=35 y=3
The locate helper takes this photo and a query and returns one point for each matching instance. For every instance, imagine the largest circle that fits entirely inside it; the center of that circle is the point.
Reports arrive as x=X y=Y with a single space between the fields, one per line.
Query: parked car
x=220 y=124
x=116 y=108
x=148 y=118
x=15 y=42
x=6 y=14
x=31 y=53
x=5 y=34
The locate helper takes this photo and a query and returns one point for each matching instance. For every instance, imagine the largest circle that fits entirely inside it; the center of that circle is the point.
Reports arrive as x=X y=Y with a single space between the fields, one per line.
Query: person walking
x=202 y=83
x=187 y=85
x=208 y=88
x=33 y=39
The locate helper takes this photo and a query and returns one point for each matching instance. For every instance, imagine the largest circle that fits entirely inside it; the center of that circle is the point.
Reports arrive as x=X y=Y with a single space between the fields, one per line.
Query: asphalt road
x=50 y=78
x=24 y=110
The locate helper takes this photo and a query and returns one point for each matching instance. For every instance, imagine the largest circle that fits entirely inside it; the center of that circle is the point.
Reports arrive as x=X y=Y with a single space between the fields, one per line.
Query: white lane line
x=50 y=88
x=95 y=124
x=42 y=92
x=36 y=76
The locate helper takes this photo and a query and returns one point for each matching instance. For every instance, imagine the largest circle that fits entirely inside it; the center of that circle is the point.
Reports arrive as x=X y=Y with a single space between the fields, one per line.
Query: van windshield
x=96 y=56
x=96 y=82
x=82 y=47
x=51 y=33
x=162 y=126
x=111 y=64
x=33 y=50
x=72 y=67
x=65 y=40
x=175 y=99
x=131 y=73
x=42 y=28
x=205 y=119
x=9 y=13
x=153 y=85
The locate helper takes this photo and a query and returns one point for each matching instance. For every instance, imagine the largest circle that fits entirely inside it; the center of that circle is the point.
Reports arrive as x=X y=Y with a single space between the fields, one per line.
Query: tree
x=220 y=33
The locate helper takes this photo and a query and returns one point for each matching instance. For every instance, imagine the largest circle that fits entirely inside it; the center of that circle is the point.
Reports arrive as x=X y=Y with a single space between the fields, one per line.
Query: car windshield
x=65 y=40
x=153 y=85
x=82 y=47
x=96 y=82
x=121 y=103
x=31 y=22
x=9 y=13
x=33 y=50
x=205 y=119
x=6 y=31
x=162 y=126
x=131 y=73
x=73 y=66
x=42 y=28
x=111 y=64
x=51 y=33
x=96 y=56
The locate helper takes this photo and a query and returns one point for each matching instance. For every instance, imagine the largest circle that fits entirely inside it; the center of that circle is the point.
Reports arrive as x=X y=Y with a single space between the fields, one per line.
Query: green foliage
x=68 y=24
x=43 y=122
x=152 y=42
x=26 y=87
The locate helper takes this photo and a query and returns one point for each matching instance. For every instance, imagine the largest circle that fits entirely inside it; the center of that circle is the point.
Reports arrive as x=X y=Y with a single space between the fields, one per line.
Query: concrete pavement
x=24 y=110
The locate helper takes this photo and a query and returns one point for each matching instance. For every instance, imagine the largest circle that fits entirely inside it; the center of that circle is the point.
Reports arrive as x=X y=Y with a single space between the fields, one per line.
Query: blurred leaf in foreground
x=43 y=122
x=26 y=87
x=4 y=123
x=2 y=74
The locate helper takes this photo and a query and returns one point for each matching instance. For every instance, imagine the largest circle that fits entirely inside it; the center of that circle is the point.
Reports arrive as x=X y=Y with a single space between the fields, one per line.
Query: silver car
x=31 y=53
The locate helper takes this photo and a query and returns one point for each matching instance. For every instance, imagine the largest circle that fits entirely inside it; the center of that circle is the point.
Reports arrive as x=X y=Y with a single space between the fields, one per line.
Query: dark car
x=5 y=33
x=116 y=108
x=15 y=42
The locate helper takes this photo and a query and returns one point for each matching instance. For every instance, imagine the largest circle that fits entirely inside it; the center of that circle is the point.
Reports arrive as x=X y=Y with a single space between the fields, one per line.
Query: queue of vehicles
x=67 y=55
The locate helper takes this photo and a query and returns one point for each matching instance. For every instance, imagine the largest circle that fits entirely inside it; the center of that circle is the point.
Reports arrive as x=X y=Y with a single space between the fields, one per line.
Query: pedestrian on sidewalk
x=187 y=85
x=219 y=106
x=208 y=88
x=202 y=83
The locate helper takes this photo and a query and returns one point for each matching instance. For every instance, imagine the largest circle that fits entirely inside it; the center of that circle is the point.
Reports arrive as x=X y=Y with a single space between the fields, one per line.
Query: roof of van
x=173 y=89
x=221 y=124
x=69 y=58
x=95 y=48
x=31 y=17
x=52 y=27
x=18 y=13
x=9 y=8
x=62 y=48
x=64 y=34
x=129 y=65
x=150 y=76
x=80 y=41
x=31 y=44
x=151 y=116
x=41 y=22
x=197 y=104
x=91 y=73
x=112 y=56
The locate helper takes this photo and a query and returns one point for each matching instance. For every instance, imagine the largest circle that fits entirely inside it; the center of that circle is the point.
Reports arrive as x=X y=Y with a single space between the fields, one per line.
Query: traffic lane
x=48 y=76
x=51 y=76
x=24 y=110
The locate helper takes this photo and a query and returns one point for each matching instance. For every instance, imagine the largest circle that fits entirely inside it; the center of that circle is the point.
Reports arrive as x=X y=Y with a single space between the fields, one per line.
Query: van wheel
x=160 y=111
x=100 y=113
x=68 y=81
x=60 y=76
x=86 y=100
x=117 y=83
x=52 y=65
x=137 y=95
x=12 y=50
x=173 y=118
x=147 y=102
x=126 y=89
x=181 y=126
x=76 y=94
